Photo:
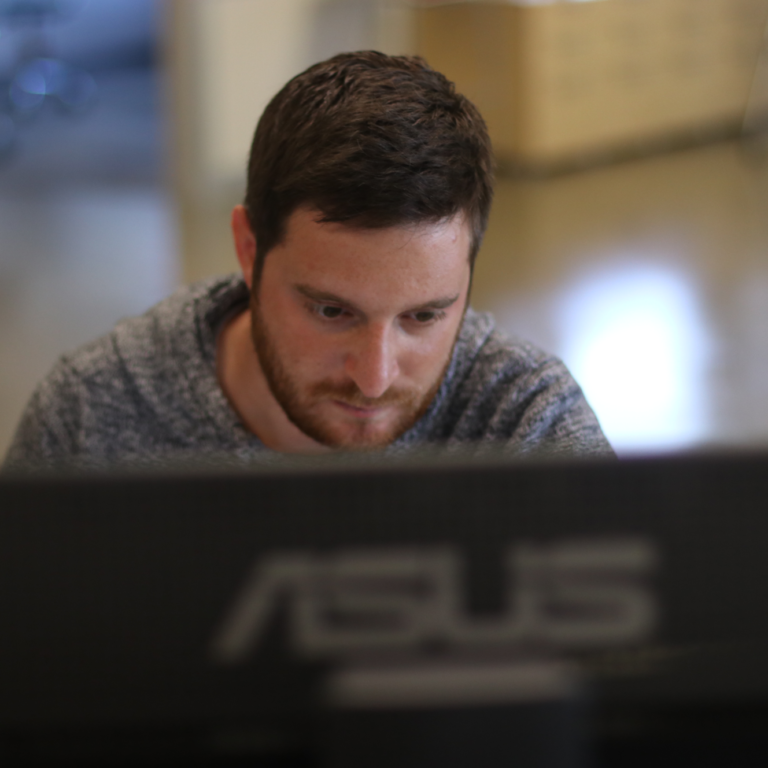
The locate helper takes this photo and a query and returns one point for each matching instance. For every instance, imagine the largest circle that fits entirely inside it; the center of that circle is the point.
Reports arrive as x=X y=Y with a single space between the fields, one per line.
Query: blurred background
x=629 y=232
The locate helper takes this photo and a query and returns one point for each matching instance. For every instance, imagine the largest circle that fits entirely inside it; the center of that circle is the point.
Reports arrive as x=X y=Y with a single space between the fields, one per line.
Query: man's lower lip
x=360 y=412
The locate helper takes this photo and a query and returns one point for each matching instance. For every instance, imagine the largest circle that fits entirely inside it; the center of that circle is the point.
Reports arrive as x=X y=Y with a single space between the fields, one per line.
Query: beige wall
x=227 y=58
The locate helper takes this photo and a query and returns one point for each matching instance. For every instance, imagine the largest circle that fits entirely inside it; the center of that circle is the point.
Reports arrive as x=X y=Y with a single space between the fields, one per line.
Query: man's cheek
x=314 y=358
x=426 y=361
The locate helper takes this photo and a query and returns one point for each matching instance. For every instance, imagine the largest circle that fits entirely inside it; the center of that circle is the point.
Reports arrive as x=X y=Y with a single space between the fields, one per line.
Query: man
x=369 y=187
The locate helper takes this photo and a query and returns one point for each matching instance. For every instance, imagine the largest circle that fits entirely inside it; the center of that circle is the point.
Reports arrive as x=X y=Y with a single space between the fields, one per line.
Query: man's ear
x=245 y=242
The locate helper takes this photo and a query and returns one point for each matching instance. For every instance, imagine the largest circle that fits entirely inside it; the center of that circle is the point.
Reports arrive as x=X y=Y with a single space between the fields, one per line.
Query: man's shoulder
x=501 y=388
x=178 y=317
x=145 y=381
x=486 y=355
x=168 y=332
x=155 y=359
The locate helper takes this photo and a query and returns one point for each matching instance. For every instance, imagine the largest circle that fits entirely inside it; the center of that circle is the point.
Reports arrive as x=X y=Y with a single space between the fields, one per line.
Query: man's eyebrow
x=316 y=295
x=442 y=303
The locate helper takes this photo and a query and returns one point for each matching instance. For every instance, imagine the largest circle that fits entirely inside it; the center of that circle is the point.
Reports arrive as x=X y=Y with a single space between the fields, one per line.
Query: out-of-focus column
x=226 y=59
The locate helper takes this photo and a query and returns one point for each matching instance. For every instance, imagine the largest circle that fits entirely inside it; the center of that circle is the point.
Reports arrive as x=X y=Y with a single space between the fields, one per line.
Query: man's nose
x=372 y=363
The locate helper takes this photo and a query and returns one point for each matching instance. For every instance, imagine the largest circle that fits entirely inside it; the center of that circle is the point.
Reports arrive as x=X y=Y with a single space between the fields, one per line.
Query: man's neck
x=243 y=382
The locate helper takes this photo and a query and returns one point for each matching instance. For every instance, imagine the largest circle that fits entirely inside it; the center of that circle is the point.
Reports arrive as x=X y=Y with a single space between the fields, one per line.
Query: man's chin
x=355 y=438
x=352 y=434
x=370 y=441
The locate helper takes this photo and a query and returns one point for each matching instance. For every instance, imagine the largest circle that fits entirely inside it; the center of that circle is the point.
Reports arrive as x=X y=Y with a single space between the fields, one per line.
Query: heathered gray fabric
x=148 y=391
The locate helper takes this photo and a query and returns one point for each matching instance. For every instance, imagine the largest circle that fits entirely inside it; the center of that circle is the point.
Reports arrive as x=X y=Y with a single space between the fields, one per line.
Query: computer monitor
x=439 y=611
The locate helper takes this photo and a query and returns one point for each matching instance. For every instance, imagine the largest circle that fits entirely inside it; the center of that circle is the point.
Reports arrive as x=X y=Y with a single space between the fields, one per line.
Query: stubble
x=300 y=406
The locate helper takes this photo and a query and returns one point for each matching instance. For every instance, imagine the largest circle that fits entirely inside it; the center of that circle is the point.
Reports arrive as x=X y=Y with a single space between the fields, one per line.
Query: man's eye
x=427 y=316
x=329 y=312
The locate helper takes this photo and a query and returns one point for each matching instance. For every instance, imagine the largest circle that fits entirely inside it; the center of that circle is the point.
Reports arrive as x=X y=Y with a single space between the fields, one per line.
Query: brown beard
x=297 y=407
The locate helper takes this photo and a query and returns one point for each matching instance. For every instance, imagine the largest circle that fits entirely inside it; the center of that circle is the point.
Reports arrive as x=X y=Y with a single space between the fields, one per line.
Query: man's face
x=354 y=327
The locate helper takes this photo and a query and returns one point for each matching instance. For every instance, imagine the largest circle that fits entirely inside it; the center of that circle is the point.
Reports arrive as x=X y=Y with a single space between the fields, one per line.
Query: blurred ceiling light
x=634 y=340
x=73 y=88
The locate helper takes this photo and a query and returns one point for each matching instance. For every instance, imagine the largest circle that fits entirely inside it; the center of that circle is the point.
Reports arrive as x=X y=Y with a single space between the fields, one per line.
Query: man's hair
x=371 y=140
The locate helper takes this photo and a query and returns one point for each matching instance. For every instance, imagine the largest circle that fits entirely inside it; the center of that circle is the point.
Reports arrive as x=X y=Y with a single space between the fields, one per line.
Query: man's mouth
x=361 y=412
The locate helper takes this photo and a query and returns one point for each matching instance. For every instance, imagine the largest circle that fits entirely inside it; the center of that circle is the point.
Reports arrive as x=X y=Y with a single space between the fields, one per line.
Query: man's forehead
x=306 y=218
x=435 y=245
x=401 y=268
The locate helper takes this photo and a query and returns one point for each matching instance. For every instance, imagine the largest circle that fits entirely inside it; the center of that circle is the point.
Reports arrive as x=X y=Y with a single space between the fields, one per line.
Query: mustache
x=349 y=393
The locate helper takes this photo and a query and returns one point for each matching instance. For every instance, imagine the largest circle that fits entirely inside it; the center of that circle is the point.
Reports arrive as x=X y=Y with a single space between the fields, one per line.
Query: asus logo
x=570 y=595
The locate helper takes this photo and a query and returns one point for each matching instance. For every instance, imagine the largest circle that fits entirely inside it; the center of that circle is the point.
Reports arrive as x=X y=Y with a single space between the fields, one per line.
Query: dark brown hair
x=373 y=140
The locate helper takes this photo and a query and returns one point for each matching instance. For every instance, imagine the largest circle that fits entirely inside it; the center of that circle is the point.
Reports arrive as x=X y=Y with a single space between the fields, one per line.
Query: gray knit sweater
x=148 y=391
